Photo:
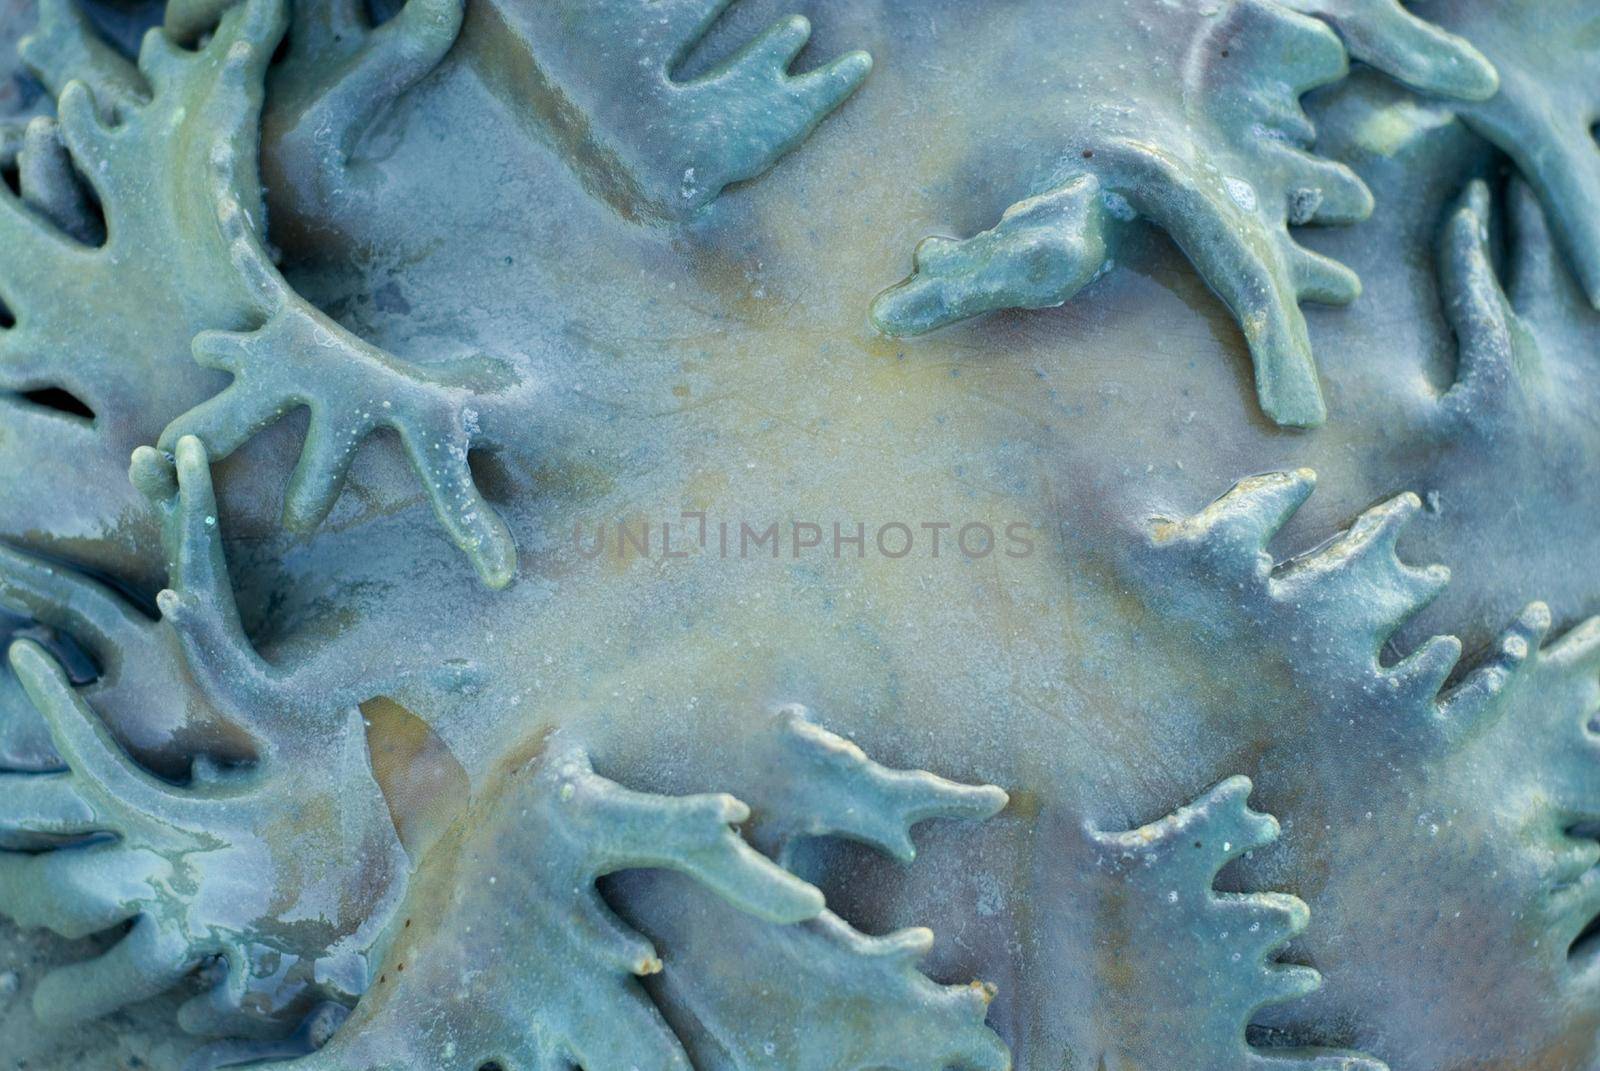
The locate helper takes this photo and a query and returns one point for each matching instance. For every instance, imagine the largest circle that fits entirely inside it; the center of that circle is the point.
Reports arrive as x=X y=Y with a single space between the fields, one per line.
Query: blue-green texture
x=800 y=535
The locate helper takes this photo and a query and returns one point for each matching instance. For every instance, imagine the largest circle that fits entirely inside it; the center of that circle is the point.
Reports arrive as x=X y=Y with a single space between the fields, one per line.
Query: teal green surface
x=324 y=719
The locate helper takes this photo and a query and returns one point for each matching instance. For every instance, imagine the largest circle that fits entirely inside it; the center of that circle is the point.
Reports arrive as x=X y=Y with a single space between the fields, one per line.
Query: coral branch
x=1185 y=987
x=821 y=996
x=1544 y=114
x=337 y=77
x=1222 y=165
x=1325 y=616
x=653 y=143
x=509 y=921
x=549 y=977
x=142 y=155
x=1487 y=372
x=64 y=47
x=1407 y=48
x=1399 y=790
x=1042 y=252
x=279 y=707
x=139 y=671
x=301 y=358
x=174 y=861
x=811 y=783
x=1504 y=392
x=184 y=162
x=198 y=603
x=89 y=611
x=51 y=187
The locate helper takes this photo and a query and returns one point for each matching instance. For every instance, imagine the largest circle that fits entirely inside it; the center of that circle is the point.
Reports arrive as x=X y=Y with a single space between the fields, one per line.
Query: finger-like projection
x=64 y=48
x=1408 y=48
x=821 y=995
x=131 y=667
x=334 y=78
x=175 y=176
x=505 y=952
x=601 y=79
x=1467 y=808
x=278 y=868
x=1216 y=154
x=1186 y=967
x=1545 y=112
x=217 y=870
x=1524 y=349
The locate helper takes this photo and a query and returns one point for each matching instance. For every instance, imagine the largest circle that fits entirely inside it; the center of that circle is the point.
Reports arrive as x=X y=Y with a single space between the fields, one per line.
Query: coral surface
x=488 y=559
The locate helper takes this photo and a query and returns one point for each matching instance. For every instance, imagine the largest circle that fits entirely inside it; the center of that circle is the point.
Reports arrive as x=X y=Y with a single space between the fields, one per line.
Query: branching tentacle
x=106 y=842
x=392 y=58
x=810 y=782
x=338 y=77
x=783 y=1009
x=301 y=358
x=198 y=603
x=64 y=47
x=1407 y=48
x=103 y=775
x=276 y=705
x=50 y=186
x=549 y=834
x=193 y=141
x=811 y=994
x=1354 y=585
x=87 y=610
x=1499 y=773
x=1544 y=114
x=1499 y=373
x=1224 y=166
x=655 y=144
x=1060 y=235
x=1150 y=1011
x=1515 y=343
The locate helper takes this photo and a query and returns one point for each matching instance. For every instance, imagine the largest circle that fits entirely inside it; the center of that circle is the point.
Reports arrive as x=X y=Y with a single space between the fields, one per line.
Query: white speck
x=1243 y=194
x=1118 y=206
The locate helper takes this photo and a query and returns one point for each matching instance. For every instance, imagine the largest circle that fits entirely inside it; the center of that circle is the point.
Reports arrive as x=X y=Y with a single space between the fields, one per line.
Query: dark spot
x=58 y=400
x=1088 y=154
x=408 y=924
x=495 y=481
x=389 y=299
x=1224 y=53
x=1197 y=844
x=400 y=968
x=1587 y=941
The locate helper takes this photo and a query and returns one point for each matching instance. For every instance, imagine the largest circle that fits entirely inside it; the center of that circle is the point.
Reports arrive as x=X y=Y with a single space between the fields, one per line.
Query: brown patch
x=424 y=785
